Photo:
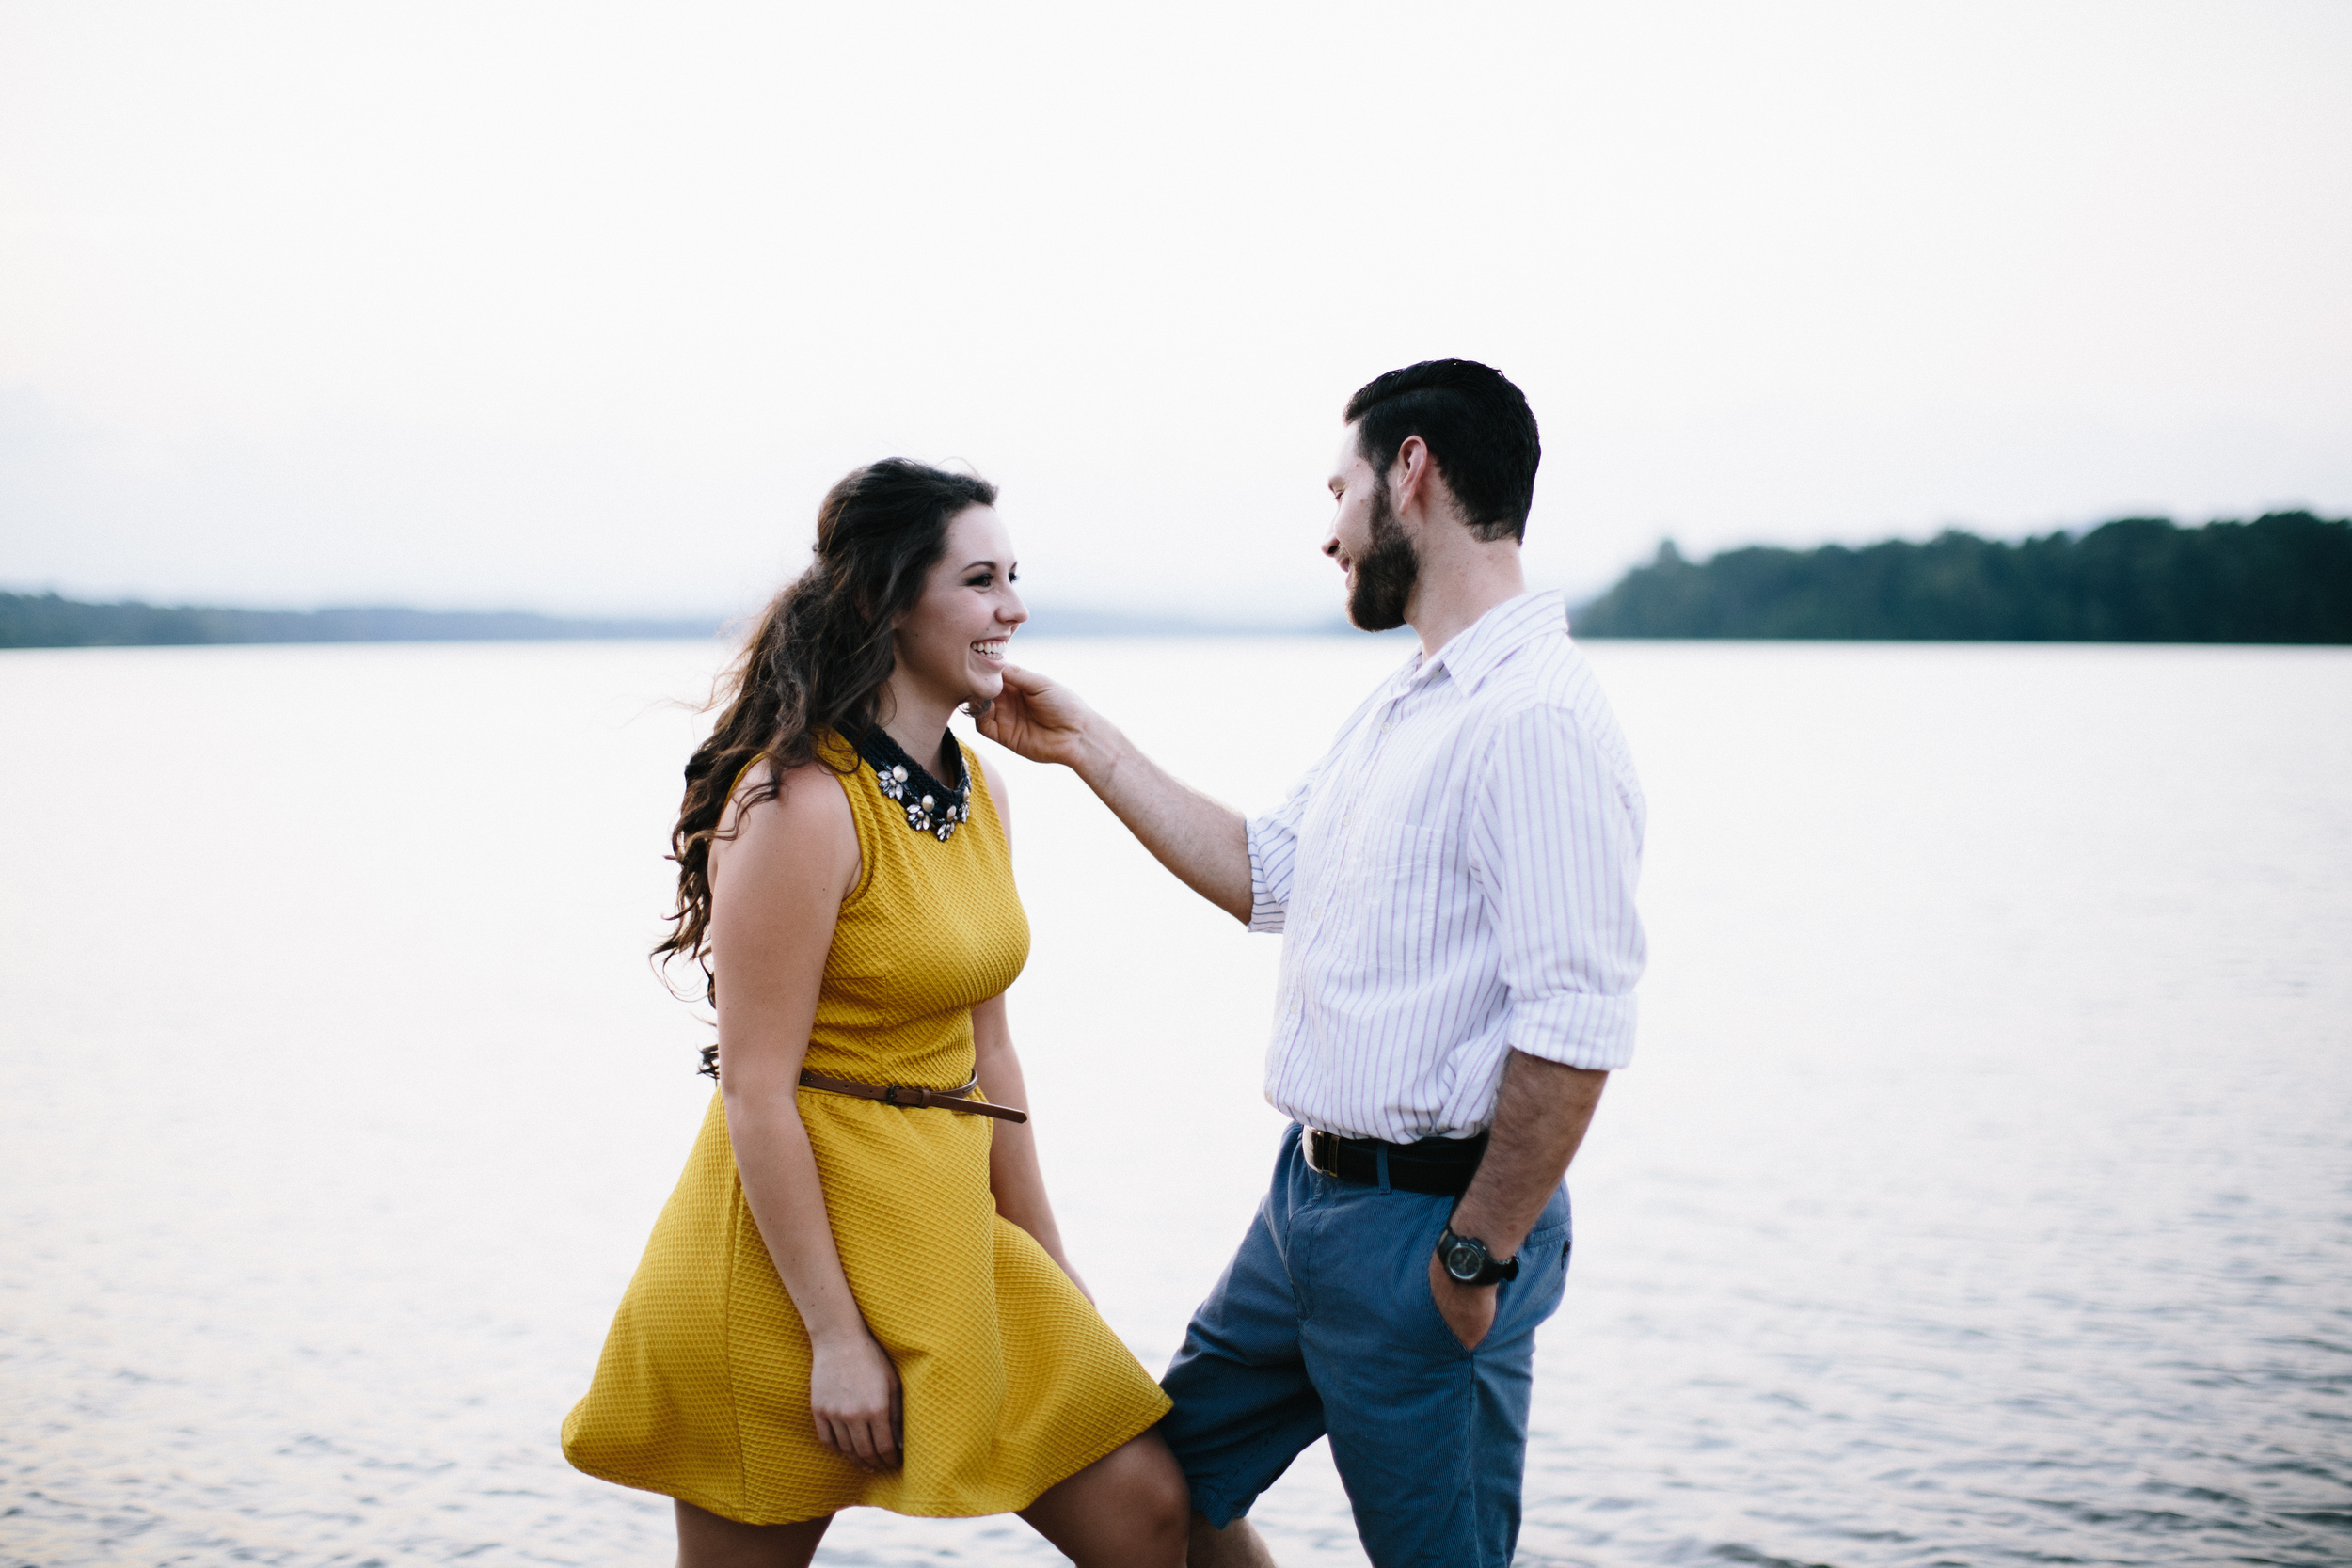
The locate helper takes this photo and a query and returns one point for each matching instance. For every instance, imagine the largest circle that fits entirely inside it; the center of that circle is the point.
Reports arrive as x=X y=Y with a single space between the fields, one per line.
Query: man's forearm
x=1204 y=842
x=1540 y=1118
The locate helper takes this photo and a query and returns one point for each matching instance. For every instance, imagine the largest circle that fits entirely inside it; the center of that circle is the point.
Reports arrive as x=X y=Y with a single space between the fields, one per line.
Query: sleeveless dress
x=1011 y=1379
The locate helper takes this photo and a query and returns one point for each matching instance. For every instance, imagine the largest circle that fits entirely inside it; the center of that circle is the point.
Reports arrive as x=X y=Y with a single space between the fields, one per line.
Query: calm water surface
x=1982 y=1194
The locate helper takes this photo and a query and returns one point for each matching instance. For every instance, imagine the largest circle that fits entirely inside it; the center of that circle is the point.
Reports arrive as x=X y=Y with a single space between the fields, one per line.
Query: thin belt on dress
x=913 y=1099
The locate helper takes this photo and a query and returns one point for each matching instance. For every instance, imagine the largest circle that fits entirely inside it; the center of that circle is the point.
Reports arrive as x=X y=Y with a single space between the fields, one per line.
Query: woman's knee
x=1162 y=1497
x=707 y=1540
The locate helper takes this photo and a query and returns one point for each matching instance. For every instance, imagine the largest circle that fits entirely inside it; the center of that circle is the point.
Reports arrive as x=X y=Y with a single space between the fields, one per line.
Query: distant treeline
x=46 y=621
x=2284 y=577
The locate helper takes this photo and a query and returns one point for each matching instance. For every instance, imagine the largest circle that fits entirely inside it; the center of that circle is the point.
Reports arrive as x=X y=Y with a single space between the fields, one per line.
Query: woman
x=857 y=1294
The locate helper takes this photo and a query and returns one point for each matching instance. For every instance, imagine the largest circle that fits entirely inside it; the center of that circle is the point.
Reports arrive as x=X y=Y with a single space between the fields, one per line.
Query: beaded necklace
x=931 y=807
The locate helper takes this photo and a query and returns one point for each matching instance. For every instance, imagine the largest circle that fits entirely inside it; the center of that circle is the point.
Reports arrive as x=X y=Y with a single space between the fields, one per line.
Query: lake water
x=1981 y=1193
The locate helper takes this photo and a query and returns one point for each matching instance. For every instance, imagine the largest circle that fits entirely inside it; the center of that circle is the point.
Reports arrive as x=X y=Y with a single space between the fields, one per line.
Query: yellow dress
x=1011 y=1379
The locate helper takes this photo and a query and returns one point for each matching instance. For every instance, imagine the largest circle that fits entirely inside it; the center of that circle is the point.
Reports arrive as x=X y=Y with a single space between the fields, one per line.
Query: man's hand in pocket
x=1468 y=1310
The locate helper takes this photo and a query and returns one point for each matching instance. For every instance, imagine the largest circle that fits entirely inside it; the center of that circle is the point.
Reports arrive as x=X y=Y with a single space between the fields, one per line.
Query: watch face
x=1462 y=1260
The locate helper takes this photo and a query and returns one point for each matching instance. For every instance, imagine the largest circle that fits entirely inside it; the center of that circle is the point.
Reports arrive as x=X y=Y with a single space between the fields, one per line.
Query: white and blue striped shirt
x=1455 y=880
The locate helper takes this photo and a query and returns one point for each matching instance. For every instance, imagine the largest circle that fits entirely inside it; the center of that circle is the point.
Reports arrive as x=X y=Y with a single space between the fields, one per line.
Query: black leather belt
x=1443 y=1166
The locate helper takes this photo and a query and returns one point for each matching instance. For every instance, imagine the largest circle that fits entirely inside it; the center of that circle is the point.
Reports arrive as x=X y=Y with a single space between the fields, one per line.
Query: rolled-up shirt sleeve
x=1555 y=838
x=1274 y=855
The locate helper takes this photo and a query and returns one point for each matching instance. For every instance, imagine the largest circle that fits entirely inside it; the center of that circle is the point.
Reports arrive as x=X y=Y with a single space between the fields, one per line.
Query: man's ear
x=1410 y=475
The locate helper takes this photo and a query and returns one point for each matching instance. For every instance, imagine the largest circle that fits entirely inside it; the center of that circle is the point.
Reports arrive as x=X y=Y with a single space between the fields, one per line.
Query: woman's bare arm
x=776 y=892
x=1014 y=1178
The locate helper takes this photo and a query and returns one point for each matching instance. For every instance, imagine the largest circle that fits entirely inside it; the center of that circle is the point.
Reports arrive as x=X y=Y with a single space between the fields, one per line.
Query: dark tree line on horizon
x=47 y=620
x=2284 y=577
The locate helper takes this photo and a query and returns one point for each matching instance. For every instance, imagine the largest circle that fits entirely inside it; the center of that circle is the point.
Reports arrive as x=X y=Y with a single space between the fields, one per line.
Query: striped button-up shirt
x=1454 y=881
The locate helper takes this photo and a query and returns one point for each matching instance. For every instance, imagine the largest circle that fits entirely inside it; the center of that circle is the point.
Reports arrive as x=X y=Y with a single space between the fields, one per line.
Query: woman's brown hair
x=817 y=661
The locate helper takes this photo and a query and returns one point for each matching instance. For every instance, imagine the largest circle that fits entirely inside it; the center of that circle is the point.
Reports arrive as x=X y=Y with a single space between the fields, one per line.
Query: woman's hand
x=1040 y=720
x=854 y=1393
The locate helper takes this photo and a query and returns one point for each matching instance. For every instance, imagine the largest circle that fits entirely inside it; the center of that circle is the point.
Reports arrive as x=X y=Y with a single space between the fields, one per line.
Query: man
x=1455 y=880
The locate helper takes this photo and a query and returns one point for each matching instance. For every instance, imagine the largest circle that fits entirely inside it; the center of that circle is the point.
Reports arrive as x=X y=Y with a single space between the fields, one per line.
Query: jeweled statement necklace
x=931 y=807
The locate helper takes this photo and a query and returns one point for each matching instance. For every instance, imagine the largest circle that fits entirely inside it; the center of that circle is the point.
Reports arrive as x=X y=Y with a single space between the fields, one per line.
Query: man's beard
x=1386 y=574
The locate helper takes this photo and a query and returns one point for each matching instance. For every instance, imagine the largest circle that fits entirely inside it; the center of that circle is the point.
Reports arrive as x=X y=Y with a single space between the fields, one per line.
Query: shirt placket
x=1392 y=713
x=1348 y=781
x=1356 y=776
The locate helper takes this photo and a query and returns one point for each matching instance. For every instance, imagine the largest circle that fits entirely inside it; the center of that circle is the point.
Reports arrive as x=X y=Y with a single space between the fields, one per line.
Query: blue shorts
x=1323 y=1322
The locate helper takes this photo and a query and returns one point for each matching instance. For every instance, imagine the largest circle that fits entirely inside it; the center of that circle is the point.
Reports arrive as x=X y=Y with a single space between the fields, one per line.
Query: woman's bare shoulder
x=806 y=826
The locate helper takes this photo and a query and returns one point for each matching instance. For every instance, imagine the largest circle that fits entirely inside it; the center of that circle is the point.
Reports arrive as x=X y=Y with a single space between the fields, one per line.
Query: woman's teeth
x=993 y=648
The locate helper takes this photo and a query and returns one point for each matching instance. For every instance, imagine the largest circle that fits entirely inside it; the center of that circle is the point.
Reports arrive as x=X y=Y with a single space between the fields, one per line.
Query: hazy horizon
x=1306 y=621
x=1049 y=616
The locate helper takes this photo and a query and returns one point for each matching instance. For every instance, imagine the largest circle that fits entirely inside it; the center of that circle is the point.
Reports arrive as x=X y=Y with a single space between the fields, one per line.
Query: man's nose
x=1331 y=547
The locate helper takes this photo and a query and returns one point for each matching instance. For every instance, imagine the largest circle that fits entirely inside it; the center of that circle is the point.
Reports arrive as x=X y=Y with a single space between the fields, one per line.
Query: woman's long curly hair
x=817 y=661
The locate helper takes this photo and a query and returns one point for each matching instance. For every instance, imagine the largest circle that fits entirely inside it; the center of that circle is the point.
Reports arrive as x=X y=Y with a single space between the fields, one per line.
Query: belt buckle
x=1312 y=1134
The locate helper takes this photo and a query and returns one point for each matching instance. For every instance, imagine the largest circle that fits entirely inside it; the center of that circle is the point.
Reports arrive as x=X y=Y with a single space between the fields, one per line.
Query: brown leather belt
x=912 y=1098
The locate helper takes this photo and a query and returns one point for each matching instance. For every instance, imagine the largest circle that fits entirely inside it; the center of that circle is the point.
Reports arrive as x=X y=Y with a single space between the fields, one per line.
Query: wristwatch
x=1466 y=1261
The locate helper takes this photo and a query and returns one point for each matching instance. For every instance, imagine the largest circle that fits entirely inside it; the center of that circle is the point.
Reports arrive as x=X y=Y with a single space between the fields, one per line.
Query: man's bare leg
x=1237 y=1546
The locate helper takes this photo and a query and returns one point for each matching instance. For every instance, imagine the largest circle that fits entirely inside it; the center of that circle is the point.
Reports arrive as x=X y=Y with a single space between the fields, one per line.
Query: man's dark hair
x=1477 y=426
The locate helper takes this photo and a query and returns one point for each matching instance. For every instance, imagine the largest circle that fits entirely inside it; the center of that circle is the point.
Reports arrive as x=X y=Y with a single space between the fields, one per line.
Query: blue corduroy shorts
x=1323 y=1322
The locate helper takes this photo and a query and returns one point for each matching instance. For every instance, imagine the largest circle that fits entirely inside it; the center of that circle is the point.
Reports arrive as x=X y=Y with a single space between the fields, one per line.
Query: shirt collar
x=1479 y=649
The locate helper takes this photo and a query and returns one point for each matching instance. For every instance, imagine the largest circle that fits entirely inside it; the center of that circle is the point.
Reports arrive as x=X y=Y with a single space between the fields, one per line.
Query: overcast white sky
x=582 y=308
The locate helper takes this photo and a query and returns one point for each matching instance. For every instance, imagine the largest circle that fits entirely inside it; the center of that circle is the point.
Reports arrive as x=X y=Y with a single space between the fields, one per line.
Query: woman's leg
x=707 y=1541
x=1237 y=1546
x=1129 y=1509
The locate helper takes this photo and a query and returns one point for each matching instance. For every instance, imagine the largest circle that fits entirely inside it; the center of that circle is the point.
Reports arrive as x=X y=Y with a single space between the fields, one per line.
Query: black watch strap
x=1466 y=1261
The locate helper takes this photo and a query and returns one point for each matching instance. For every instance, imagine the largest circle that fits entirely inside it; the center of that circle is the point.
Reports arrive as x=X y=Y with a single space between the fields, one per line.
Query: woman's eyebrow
x=970 y=564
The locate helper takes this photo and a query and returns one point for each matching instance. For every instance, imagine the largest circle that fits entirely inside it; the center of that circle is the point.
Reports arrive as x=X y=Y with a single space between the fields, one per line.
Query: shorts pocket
x=1441 y=1335
x=1393 y=1286
x=1535 y=1295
